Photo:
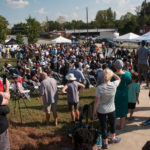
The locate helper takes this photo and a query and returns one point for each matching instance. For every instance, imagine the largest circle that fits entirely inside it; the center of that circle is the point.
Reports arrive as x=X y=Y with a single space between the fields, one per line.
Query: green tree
x=93 y=25
x=54 y=25
x=143 y=14
x=127 y=23
x=67 y=25
x=33 y=30
x=19 y=28
x=19 y=39
x=105 y=18
x=3 y=29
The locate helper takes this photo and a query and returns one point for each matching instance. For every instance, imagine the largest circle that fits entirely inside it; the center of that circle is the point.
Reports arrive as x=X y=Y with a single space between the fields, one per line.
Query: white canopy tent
x=145 y=37
x=127 y=37
x=60 y=40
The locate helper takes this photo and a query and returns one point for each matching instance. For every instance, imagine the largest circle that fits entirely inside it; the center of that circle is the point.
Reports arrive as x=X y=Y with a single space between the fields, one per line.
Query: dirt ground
x=27 y=138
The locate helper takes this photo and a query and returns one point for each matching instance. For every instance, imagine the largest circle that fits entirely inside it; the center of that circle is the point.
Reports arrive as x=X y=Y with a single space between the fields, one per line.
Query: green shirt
x=134 y=88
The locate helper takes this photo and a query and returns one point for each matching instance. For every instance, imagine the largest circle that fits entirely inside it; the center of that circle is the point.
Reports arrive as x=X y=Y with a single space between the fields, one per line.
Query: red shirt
x=1 y=86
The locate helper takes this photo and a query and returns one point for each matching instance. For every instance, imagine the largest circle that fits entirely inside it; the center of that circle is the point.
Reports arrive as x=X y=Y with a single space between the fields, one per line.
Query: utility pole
x=87 y=21
x=144 y=12
x=47 y=28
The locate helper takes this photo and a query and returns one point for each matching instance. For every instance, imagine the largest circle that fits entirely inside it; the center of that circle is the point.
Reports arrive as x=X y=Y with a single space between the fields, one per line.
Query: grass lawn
x=33 y=115
x=11 y=61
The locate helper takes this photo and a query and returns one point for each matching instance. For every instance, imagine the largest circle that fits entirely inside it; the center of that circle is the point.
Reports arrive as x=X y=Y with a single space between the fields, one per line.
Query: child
x=133 y=95
x=71 y=88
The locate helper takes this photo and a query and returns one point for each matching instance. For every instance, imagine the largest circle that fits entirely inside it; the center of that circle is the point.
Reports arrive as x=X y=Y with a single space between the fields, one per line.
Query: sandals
x=115 y=140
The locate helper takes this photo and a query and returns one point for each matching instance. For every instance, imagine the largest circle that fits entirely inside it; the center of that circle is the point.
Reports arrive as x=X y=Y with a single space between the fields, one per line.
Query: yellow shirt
x=7 y=49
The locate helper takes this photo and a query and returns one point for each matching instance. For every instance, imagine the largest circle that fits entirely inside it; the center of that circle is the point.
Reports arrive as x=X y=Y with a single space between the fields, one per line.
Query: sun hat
x=71 y=77
x=119 y=63
x=9 y=65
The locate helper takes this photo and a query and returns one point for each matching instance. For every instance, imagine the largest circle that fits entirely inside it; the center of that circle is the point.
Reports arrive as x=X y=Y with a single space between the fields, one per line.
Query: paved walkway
x=134 y=136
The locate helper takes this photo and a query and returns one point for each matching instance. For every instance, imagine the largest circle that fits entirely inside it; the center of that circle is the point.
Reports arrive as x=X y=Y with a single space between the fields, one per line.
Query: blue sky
x=16 y=11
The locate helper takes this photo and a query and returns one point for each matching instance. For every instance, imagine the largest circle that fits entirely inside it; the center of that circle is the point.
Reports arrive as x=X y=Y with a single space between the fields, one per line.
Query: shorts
x=51 y=107
x=4 y=141
x=143 y=70
x=73 y=106
x=131 y=105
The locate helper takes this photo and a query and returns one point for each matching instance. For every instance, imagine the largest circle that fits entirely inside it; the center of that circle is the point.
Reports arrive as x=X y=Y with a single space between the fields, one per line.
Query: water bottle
x=99 y=140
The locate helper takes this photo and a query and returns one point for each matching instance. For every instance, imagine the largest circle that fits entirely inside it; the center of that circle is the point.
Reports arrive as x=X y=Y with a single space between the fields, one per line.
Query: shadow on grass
x=28 y=124
x=87 y=97
x=81 y=97
x=33 y=107
x=57 y=145
x=60 y=108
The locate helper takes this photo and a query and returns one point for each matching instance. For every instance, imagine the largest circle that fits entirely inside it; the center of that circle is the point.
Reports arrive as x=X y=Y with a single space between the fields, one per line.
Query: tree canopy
x=3 y=29
x=19 y=39
x=19 y=28
x=105 y=18
x=33 y=30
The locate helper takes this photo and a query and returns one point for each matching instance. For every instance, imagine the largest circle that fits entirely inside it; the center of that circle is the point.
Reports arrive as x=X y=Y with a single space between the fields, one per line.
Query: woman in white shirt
x=104 y=106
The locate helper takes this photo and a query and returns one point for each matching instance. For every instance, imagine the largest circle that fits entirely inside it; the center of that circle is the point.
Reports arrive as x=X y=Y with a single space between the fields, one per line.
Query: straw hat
x=71 y=77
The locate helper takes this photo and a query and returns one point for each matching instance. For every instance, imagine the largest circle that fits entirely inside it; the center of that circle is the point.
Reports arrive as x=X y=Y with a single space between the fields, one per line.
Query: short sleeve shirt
x=143 y=54
x=133 y=89
x=106 y=94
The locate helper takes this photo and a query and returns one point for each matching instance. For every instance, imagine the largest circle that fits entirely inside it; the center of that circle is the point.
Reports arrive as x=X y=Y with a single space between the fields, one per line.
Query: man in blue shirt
x=143 y=57
x=77 y=73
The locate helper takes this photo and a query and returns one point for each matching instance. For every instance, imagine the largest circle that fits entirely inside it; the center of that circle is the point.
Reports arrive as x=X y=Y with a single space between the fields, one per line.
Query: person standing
x=121 y=98
x=71 y=88
x=48 y=91
x=104 y=106
x=143 y=59
x=133 y=95
x=77 y=73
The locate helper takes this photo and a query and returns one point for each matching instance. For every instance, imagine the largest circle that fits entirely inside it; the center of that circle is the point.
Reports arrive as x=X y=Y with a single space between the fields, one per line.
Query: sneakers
x=131 y=118
x=105 y=146
x=115 y=140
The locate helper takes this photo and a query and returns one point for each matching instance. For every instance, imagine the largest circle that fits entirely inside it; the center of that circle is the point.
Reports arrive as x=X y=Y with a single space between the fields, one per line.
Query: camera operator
x=4 y=110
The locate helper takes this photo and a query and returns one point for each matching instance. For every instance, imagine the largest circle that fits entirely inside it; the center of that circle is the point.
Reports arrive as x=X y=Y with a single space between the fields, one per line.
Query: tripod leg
x=20 y=111
x=27 y=108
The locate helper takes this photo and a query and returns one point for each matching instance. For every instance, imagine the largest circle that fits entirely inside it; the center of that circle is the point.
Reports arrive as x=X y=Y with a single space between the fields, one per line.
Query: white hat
x=9 y=65
x=71 y=77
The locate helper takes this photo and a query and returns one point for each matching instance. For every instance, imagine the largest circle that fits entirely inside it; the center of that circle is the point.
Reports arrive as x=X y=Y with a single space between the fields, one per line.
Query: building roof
x=90 y=30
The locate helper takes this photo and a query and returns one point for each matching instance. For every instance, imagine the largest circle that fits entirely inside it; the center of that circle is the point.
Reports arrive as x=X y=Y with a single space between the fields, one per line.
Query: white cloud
x=41 y=11
x=17 y=3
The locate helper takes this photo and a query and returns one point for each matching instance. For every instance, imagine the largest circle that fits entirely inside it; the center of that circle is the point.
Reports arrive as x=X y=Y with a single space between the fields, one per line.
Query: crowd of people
x=117 y=73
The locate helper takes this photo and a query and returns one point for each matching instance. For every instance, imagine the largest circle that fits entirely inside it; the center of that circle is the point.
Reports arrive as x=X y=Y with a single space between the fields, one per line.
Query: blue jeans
x=103 y=121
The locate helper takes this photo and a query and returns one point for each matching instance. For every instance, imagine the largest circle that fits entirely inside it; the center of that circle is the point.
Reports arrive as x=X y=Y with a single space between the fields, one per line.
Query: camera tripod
x=17 y=97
